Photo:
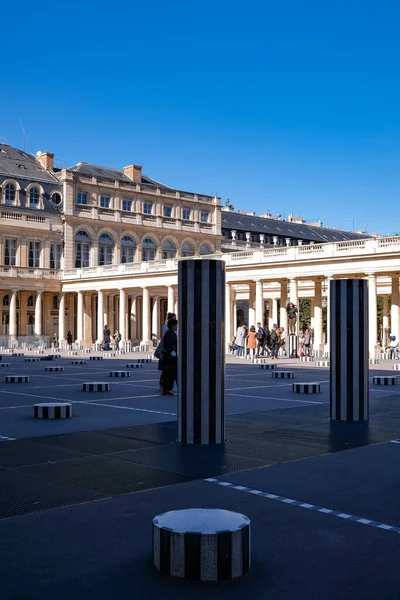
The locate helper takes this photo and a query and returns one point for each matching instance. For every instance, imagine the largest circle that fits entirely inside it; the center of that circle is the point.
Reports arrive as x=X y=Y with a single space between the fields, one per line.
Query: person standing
x=240 y=339
x=275 y=341
x=69 y=340
x=106 y=338
x=117 y=339
x=292 y=311
x=393 y=347
x=169 y=359
x=55 y=341
x=307 y=342
x=282 y=339
x=260 y=340
x=252 y=341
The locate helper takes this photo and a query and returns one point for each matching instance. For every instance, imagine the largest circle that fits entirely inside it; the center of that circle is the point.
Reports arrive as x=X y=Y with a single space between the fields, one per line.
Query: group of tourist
x=110 y=342
x=261 y=342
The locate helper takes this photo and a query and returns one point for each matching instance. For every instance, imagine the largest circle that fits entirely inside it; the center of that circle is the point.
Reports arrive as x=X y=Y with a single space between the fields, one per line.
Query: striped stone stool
x=55 y=355
x=56 y=369
x=134 y=366
x=268 y=366
x=46 y=358
x=109 y=355
x=95 y=386
x=306 y=358
x=7 y=351
x=322 y=363
x=259 y=361
x=17 y=354
x=17 y=379
x=52 y=410
x=85 y=351
x=4 y=364
x=72 y=353
x=283 y=375
x=202 y=544
x=78 y=362
x=39 y=352
x=306 y=388
x=95 y=358
x=120 y=374
x=144 y=360
x=384 y=356
x=32 y=360
x=396 y=367
x=373 y=361
x=385 y=380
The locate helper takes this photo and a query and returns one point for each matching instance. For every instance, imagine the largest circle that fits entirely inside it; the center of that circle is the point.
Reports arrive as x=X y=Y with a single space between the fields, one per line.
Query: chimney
x=47 y=159
x=134 y=172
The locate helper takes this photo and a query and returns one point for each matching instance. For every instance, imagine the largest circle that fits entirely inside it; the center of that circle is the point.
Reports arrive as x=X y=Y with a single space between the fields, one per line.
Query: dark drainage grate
x=105 y=476
x=22 y=452
x=93 y=442
x=21 y=494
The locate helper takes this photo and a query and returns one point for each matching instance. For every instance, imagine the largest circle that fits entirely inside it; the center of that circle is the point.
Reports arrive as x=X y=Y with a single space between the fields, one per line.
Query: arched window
x=34 y=196
x=31 y=301
x=148 y=249
x=168 y=250
x=82 y=249
x=128 y=248
x=205 y=249
x=187 y=249
x=6 y=300
x=10 y=194
x=106 y=249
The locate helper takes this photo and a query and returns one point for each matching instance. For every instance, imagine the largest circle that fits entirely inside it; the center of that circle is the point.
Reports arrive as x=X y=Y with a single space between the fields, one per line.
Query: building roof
x=21 y=165
x=113 y=174
x=255 y=224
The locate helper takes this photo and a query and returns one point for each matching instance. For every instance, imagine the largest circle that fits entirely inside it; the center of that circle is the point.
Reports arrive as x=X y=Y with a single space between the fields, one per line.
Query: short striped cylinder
x=85 y=350
x=15 y=354
x=53 y=410
x=134 y=366
x=144 y=360
x=95 y=358
x=259 y=361
x=109 y=355
x=72 y=353
x=78 y=362
x=201 y=356
x=202 y=544
x=384 y=356
x=39 y=352
x=373 y=361
x=292 y=345
x=95 y=386
x=306 y=388
x=306 y=358
x=54 y=369
x=322 y=363
x=17 y=379
x=4 y=364
x=283 y=374
x=349 y=393
x=268 y=366
x=396 y=367
x=120 y=374
x=32 y=360
x=317 y=353
x=56 y=355
x=385 y=380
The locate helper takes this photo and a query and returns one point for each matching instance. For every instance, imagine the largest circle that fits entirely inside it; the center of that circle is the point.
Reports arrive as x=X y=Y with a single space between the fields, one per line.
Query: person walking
x=275 y=341
x=69 y=340
x=169 y=360
x=55 y=341
x=106 y=337
x=240 y=339
x=117 y=339
x=292 y=311
x=392 y=347
x=282 y=339
x=260 y=340
x=252 y=341
x=306 y=342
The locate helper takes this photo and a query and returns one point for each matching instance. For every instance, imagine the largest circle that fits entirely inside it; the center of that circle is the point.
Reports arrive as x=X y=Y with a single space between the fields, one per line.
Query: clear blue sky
x=288 y=106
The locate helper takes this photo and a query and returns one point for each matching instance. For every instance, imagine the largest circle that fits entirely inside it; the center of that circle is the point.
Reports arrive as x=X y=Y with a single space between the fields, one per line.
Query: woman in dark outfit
x=169 y=359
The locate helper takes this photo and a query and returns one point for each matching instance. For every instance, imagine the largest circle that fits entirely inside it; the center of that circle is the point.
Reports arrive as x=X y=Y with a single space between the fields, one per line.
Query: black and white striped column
x=292 y=340
x=349 y=395
x=201 y=356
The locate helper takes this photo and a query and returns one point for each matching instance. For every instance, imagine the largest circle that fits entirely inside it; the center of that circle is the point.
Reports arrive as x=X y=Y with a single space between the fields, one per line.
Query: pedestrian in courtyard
x=169 y=360
x=307 y=342
x=260 y=340
x=170 y=316
x=292 y=311
x=393 y=347
x=69 y=340
x=106 y=337
x=252 y=341
x=117 y=339
x=282 y=340
x=240 y=340
x=275 y=341
x=55 y=341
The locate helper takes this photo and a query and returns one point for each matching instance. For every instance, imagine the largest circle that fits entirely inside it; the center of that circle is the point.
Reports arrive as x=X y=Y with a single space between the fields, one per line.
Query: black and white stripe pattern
x=95 y=358
x=55 y=369
x=385 y=380
x=292 y=345
x=349 y=393
x=17 y=379
x=72 y=353
x=78 y=362
x=56 y=355
x=384 y=356
x=53 y=410
x=134 y=366
x=396 y=367
x=322 y=363
x=318 y=353
x=39 y=352
x=15 y=354
x=306 y=358
x=216 y=547
x=268 y=366
x=32 y=360
x=96 y=386
x=283 y=375
x=306 y=388
x=110 y=354
x=120 y=374
x=201 y=356
x=373 y=361
x=144 y=360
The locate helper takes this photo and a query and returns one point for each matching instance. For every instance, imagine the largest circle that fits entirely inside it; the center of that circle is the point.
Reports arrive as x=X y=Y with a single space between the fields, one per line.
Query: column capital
x=371 y=275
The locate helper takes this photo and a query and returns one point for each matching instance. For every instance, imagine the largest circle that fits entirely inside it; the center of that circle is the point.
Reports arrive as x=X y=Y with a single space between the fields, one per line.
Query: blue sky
x=282 y=106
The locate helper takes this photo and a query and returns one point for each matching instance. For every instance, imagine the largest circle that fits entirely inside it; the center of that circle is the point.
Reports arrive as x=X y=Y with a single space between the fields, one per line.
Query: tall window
x=168 y=250
x=204 y=216
x=34 y=198
x=31 y=301
x=187 y=249
x=127 y=205
x=186 y=214
x=6 y=300
x=205 y=249
x=105 y=201
x=81 y=198
x=34 y=255
x=10 y=194
x=106 y=249
x=148 y=250
x=10 y=252
x=82 y=249
x=55 y=256
x=127 y=249
x=167 y=211
x=147 y=208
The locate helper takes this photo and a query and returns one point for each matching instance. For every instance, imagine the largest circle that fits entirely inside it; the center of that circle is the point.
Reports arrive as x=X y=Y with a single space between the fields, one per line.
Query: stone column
x=134 y=332
x=385 y=322
x=146 y=316
x=79 y=318
x=349 y=391
x=318 y=316
x=94 y=318
x=274 y=319
x=170 y=304
x=155 y=328
x=100 y=316
x=87 y=320
x=395 y=309
x=312 y=312
x=372 y=315
x=110 y=313
x=61 y=320
x=122 y=315
x=234 y=312
x=252 y=300
x=13 y=316
x=23 y=313
x=105 y=312
x=228 y=316
x=259 y=317
x=294 y=298
x=283 y=315
x=38 y=313
x=201 y=356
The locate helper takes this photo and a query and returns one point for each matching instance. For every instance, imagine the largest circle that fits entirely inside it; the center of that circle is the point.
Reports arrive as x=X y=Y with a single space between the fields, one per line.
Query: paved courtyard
x=77 y=496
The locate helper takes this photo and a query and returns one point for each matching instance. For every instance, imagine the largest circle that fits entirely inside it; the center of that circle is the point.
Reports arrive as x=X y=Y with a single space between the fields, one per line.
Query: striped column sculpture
x=349 y=395
x=201 y=357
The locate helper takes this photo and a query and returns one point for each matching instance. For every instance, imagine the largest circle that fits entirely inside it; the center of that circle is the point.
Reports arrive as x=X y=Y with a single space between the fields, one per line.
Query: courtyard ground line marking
x=5 y=438
x=145 y=410
x=272 y=398
x=306 y=505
